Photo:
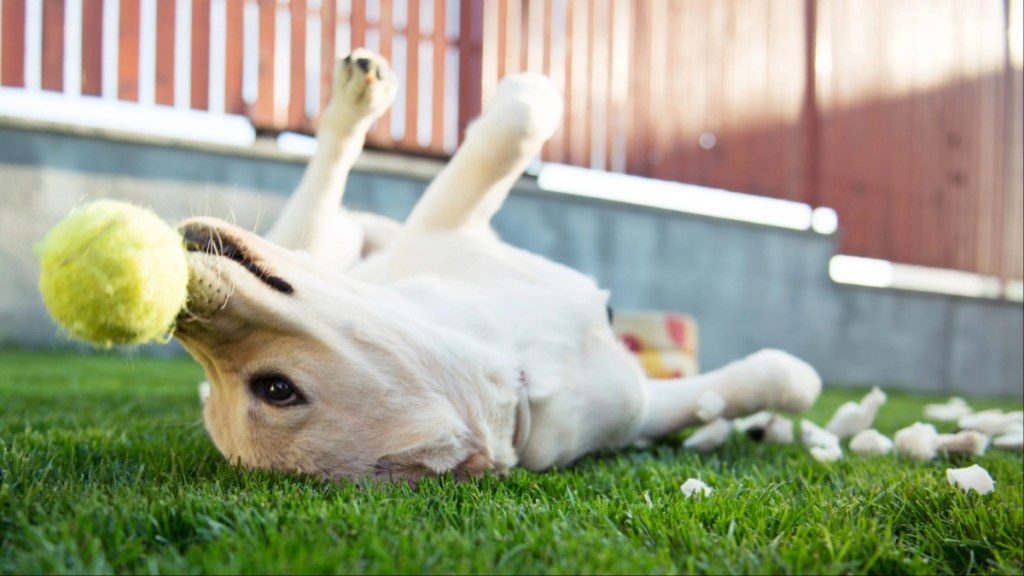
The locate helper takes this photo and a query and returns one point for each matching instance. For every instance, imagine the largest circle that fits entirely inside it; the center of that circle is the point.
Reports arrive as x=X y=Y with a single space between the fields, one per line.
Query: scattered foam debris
x=954 y=409
x=693 y=486
x=826 y=453
x=916 y=441
x=971 y=478
x=709 y=436
x=813 y=435
x=991 y=422
x=963 y=442
x=870 y=442
x=1013 y=440
x=766 y=427
x=854 y=417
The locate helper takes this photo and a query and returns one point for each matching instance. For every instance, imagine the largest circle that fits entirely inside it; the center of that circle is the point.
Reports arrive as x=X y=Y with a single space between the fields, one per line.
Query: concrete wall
x=748 y=286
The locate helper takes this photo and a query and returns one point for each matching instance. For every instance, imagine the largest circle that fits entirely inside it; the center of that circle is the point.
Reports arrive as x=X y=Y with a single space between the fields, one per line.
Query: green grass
x=104 y=467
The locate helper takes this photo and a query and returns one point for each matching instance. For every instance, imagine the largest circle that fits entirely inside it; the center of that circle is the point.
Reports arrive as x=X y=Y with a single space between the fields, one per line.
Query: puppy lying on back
x=445 y=350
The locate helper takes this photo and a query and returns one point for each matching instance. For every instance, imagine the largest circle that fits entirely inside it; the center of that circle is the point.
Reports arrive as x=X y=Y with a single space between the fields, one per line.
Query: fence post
x=471 y=40
x=809 y=109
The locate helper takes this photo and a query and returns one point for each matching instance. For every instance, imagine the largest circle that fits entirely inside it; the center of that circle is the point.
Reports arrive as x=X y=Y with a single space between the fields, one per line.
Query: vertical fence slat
x=234 y=102
x=12 y=43
x=165 y=29
x=357 y=22
x=297 y=80
x=328 y=24
x=200 y=96
x=381 y=132
x=52 y=77
x=412 y=76
x=128 y=52
x=440 y=42
x=92 y=47
x=263 y=108
x=471 y=30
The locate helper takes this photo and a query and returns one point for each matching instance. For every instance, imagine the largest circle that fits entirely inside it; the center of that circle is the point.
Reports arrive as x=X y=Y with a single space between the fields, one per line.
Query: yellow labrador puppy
x=444 y=350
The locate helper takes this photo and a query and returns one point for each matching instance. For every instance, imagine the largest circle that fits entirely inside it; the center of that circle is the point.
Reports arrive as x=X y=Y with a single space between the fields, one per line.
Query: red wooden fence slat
x=53 y=45
x=12 y=43
x=412 y=77
x=200 y=97
x=165 y=30
x=357 y=21
x=471 y=27
x=381 y=131
x=234 y=33
x=297 y=80
x=92 y=47
x=328 y=24
x=263 y=108
x=128 y=52
x=440 y=43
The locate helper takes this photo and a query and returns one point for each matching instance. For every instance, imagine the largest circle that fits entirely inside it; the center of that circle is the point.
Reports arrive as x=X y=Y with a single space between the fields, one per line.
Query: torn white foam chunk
x=780 y=431
x=826 y=453
x=954 y=409
x=963 y=442
x=870 y=442
x=916 y=441
x=813 y=435
x=766 y=427
x=992 y=422
x=709 y=436
x=971 y=478
x=710 y=405
x=853 y=417
x=757 y=421
x=693 y=485
x=1013 y=440
x=204 y=392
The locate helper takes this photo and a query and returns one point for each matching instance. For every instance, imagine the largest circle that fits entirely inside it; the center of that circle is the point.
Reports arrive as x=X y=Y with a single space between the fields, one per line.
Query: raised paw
x=364 y=87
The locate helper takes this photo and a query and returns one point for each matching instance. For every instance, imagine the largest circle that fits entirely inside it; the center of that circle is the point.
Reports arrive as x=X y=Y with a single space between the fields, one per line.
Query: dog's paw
x=525 y=107
x=788 y=384
x=364 y=87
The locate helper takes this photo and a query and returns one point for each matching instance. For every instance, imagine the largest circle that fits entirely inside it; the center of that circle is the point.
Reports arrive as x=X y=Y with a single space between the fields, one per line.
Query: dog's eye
x=276 y=389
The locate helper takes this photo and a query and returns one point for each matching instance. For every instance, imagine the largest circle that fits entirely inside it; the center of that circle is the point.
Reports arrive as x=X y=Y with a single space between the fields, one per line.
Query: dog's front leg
x=766 y=380
x=363 y=89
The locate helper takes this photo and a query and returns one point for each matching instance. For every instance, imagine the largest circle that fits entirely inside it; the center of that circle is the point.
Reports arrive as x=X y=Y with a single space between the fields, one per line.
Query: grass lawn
x=105 y=467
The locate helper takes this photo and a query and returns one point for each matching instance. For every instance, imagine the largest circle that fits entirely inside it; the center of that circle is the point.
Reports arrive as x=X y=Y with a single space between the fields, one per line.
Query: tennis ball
x=114 y=273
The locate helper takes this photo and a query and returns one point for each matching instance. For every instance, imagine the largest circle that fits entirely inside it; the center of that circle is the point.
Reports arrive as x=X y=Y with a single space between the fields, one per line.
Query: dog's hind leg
x=363 y=89
x=765 y=380
x=525 y=111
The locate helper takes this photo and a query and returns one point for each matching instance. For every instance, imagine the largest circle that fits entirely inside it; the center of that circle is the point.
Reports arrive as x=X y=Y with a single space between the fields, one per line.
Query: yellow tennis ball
x=114 y=273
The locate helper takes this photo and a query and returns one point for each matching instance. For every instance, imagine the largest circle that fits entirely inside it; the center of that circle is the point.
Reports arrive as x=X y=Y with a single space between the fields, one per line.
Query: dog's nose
x=363 y=63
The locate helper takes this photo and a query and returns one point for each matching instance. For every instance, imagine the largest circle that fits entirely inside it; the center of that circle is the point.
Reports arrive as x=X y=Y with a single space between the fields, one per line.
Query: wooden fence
x=896 y=114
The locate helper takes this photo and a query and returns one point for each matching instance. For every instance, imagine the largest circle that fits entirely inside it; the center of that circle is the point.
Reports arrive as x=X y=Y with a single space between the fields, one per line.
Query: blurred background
x=840 y=178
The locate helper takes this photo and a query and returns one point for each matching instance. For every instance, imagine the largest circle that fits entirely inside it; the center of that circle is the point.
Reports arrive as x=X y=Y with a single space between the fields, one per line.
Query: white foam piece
x=971 y=478
x=916 y=441
x=695 y=486
x=709 y=436
x=870 y=442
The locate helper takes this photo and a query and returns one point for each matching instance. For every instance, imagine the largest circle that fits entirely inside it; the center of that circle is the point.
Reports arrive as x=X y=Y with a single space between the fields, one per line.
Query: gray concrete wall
x=748 y=286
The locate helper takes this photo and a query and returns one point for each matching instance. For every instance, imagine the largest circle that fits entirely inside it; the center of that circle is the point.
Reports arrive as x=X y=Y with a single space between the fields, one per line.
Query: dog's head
x=317 y=373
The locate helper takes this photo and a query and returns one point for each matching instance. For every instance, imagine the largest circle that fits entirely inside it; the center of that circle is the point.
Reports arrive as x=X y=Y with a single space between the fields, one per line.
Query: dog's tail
x=525 y=111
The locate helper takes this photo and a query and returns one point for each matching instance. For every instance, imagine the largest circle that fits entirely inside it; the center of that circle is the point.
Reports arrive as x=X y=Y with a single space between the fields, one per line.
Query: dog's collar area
x=522 y=431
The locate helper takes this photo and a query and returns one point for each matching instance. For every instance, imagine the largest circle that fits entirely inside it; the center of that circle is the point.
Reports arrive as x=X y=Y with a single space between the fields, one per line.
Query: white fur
x=413 y=361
